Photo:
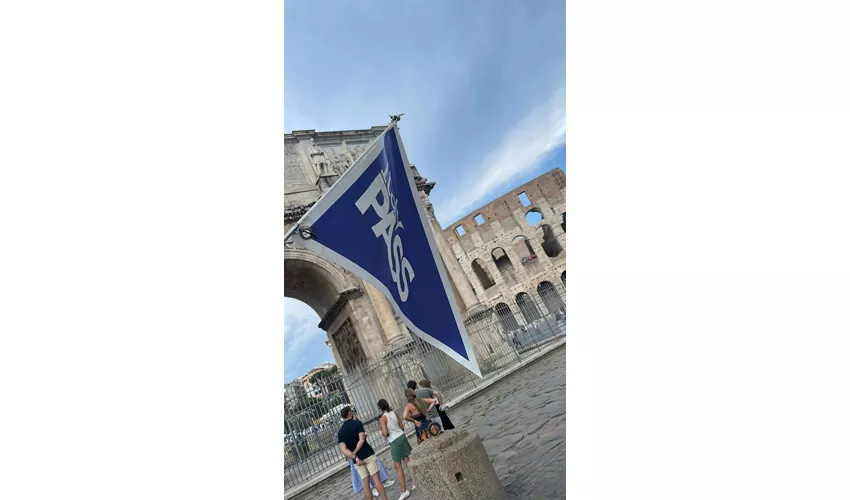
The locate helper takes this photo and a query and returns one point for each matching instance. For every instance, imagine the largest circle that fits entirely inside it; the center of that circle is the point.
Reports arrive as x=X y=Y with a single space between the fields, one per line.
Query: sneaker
x=404 y=495
x=389 y=483
x=375 y=493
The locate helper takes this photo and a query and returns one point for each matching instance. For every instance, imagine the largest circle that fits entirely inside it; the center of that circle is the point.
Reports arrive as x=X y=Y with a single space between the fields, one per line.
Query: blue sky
x=481 y=84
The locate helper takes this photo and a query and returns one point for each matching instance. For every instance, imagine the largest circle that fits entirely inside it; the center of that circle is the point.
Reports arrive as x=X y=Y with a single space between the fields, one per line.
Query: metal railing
x=502 y=336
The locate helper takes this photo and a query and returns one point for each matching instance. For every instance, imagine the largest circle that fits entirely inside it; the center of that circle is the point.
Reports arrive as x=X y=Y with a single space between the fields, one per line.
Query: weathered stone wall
x=504 y=222
x=305 y=151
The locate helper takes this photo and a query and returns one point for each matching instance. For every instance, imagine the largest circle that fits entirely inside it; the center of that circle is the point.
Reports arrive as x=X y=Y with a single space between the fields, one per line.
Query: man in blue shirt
x=352 y=444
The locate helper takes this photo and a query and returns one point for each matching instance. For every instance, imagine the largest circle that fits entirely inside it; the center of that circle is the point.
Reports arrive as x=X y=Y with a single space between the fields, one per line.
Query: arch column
x=538 y=248
x=498 y=278
x=386 y=315
x=519 y=269
x=468 y=299
x=525 y=272
x=479 y=289
x=355 y=310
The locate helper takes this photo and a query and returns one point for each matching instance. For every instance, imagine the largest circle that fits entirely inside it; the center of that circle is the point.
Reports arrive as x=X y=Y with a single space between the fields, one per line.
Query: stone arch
x=359 y=321
x=564 y=278
x=522 y=247
x=551 y=246
x=506 y=317
x=564 y=221
x=339 y=300
x=501 y=259
x=482 y=274
x=551 y=299
x=313 y=280
x=504 y=265
x=533 y=217
x=527 y=307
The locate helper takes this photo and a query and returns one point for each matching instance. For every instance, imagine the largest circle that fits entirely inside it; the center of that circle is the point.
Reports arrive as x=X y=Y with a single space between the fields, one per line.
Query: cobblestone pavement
x=520 y=420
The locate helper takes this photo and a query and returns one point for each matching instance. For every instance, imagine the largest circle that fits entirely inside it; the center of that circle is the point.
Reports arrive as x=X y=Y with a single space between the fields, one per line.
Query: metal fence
x=502 y=336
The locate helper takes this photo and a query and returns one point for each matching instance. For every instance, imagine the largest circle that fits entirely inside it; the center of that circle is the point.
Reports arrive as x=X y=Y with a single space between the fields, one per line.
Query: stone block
x=455 y=466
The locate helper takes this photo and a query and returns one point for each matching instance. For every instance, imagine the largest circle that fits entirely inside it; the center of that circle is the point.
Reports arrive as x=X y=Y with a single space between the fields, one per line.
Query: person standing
x=416 y=411
x=445 y=422
x=392 y=428
x=424 y=393
x=352 y=444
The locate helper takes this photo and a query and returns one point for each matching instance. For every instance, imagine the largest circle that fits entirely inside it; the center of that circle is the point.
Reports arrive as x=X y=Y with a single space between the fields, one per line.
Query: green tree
x=330 y=372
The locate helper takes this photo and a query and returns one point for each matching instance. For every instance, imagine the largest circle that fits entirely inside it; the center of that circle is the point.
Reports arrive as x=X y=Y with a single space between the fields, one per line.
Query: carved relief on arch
x=348 y=346
x=293 y=167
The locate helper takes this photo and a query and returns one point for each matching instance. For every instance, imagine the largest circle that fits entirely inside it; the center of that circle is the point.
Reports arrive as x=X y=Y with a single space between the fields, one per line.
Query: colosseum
x=514 y=245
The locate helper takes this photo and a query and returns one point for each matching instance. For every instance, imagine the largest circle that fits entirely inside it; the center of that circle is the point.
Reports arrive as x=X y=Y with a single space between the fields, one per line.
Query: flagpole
x=297 y=225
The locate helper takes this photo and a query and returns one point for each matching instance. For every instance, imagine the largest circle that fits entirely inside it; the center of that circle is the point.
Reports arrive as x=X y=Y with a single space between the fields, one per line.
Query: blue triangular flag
x=372 y=223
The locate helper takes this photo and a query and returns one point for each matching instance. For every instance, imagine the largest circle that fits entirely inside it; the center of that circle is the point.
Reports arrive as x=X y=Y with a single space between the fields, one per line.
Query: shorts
x=420 y=429
x=369 y=467
x=400 y=448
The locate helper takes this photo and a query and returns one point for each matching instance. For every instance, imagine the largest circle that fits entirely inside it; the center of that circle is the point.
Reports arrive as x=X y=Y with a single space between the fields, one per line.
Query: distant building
x=294 y=390
x=314 y=390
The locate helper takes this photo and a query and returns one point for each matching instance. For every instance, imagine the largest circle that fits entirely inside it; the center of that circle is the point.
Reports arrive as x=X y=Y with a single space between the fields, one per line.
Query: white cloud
x=301 y=338
x=522 y=149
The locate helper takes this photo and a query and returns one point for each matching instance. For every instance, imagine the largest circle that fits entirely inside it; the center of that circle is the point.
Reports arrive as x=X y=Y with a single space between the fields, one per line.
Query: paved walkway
x=520 y=420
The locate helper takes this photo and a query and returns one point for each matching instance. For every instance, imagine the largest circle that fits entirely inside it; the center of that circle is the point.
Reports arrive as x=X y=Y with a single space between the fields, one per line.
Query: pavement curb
x=337 y=468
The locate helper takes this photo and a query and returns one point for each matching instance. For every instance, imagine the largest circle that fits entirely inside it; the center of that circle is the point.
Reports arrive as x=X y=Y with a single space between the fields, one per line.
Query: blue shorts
x=423 y=429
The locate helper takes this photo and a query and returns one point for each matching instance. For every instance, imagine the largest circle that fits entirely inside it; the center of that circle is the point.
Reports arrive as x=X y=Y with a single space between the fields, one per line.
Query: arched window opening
x=523 y=249
x=564 y=278
x=506 y=317
x=550 y=296
x=533 y=217
x=503 y=262
x=527 y=307
x=481 y=273
x=550 y=244
x=564 y=222
x=504 y=265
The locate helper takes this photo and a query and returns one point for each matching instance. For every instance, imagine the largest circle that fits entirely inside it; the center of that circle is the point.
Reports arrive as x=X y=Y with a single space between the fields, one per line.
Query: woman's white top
x=393 y=429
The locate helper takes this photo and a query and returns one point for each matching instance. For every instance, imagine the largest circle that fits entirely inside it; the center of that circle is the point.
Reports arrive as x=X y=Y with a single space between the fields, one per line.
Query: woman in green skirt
x=392 y=427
